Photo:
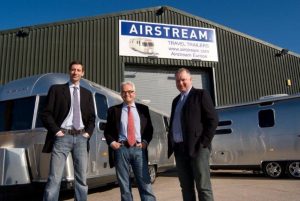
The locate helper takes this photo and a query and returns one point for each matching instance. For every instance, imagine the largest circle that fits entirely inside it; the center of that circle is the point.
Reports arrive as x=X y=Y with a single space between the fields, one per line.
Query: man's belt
x=73 y=131
x=126 y=144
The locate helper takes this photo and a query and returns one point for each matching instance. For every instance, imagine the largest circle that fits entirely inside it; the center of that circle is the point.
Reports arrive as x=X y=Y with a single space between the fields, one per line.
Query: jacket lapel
x=138 y=108
x=82 y=98
x=66 y=94
x=188 y=98
x=118 y=112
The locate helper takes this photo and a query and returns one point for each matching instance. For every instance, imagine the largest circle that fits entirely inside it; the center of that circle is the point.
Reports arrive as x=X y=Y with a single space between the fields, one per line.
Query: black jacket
x=198 y=121
x=57 y=108
x=112 y=128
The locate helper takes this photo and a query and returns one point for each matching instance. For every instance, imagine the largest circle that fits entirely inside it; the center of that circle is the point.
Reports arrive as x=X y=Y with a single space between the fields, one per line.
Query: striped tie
x=130 y=128
x=76 y=109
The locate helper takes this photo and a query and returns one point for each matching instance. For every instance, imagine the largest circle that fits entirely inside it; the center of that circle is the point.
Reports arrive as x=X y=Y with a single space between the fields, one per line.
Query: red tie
x=130 y=128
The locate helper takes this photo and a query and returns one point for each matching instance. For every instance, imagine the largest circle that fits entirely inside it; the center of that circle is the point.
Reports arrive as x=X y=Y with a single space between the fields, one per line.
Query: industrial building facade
x=246 y=68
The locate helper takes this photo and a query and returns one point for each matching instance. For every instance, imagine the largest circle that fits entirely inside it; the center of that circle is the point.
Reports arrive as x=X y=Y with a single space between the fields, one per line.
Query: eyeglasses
x=127 y=92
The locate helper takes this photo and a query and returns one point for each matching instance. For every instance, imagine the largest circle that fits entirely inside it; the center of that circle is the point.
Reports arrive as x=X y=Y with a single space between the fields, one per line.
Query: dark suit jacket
x=198 y=121
x=57 y=108
x=112 y=128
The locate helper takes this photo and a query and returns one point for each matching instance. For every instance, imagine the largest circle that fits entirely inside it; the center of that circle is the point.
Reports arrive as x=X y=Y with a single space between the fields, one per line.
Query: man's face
x=183 y=81
x=128 y=94
x=76 y=73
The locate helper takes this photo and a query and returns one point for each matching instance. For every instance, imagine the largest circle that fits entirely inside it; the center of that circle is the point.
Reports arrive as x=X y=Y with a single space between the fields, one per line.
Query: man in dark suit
x=128 y=132
x=192 y=127
x=69 y=117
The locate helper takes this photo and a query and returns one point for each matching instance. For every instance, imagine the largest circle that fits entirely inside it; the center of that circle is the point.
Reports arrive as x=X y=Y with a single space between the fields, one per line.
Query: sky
x=274 y=21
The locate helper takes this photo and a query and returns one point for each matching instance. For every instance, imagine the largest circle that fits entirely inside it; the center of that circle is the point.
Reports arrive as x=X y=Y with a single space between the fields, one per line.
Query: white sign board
x=143 y=39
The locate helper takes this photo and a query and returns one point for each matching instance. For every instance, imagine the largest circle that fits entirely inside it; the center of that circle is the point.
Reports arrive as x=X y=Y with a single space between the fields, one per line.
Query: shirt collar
x=125 y=105
x=71 y=85
x=186 y=93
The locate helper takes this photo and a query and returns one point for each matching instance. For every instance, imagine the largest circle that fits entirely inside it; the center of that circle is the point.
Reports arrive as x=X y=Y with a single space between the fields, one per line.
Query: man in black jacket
x=193 y=123
x=69 y=117
x=128 y=132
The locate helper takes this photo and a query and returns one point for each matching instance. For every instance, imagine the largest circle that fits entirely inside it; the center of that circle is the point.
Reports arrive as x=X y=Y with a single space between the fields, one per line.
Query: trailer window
x=266 y=118
x=16 y=114
x=102 y=107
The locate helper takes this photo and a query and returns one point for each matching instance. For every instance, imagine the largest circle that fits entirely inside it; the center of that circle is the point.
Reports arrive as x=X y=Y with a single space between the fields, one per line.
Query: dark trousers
x=194 y=171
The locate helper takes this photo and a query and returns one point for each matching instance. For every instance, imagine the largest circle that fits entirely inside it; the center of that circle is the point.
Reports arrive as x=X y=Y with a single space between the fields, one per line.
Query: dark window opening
x=223 y=131
x=17 y=114
x=266 y=118
x=266 y=103
x=102 y=107
x=225 y=123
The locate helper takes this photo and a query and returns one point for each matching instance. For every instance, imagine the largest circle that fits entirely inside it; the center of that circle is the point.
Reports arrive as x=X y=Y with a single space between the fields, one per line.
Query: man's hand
x=142 y=145
x=115 y=145
x=59 y=134
x=86 y=135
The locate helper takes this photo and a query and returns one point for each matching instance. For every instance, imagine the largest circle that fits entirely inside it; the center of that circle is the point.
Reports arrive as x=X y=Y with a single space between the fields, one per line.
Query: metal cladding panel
x=51 y=48
x=247 y=67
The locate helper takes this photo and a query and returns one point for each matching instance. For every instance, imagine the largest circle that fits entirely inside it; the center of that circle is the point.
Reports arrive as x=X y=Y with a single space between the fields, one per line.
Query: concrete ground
x=227 y=186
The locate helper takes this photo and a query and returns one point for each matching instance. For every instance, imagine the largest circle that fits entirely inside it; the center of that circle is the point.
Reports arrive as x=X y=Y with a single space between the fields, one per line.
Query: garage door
x=156 y=87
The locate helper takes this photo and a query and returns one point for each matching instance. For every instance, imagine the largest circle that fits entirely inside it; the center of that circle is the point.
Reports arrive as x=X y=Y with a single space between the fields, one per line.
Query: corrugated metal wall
x=247 y=68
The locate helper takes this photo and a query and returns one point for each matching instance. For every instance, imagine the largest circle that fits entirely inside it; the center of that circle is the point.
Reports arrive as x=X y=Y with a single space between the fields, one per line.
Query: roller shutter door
x=157 y=88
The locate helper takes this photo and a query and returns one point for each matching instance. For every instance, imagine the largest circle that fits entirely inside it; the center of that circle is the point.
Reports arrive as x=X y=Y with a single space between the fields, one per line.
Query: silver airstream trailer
x=263 y=135
x=22 y=134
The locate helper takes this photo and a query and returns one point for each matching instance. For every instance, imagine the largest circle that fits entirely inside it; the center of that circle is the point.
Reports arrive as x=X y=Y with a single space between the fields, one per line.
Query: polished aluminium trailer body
x=22 y=134
x=262 y=135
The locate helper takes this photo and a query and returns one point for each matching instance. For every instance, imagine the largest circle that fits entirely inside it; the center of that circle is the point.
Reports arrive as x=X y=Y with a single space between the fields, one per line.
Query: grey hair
x=127 y=83
x=180 y=70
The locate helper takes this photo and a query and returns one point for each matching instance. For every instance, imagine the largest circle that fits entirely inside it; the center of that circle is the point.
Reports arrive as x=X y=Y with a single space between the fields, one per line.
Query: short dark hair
x=76 y=62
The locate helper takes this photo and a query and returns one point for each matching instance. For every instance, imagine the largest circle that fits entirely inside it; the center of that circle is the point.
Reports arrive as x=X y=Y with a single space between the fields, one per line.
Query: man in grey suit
x=192 y=127
x=69 y=117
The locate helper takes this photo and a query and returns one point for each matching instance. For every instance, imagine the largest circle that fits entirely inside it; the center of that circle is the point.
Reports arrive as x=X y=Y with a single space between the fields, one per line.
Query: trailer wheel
x=152 y=173
x=293 y=169
x=273 y=169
